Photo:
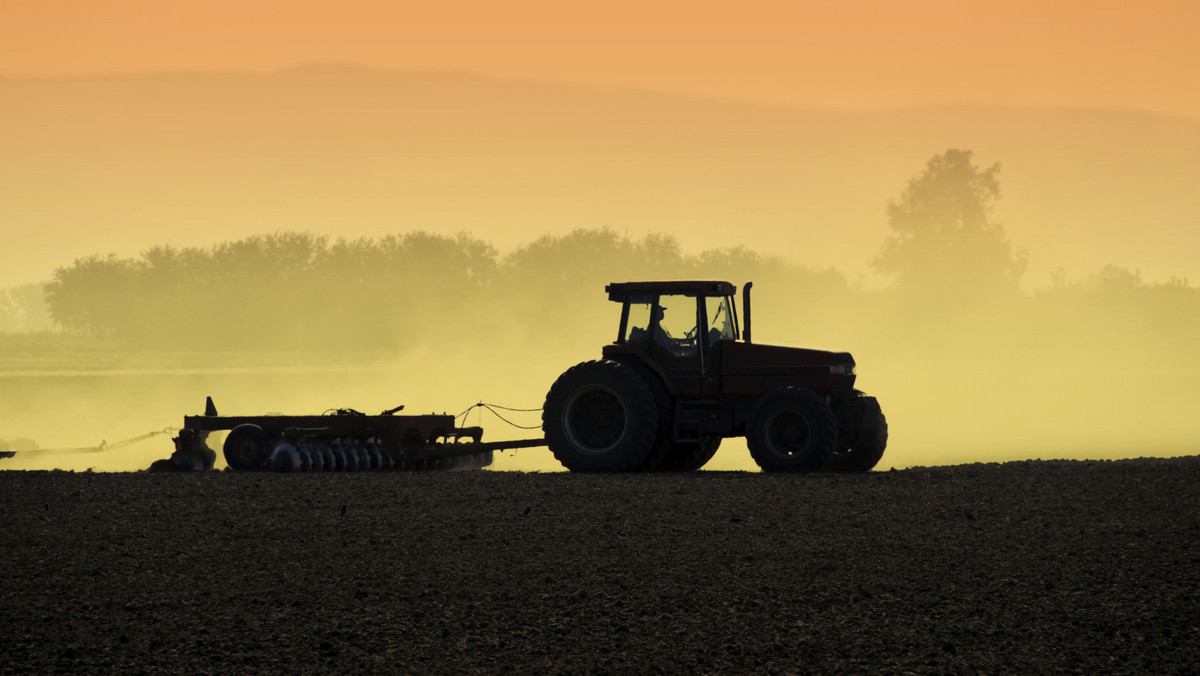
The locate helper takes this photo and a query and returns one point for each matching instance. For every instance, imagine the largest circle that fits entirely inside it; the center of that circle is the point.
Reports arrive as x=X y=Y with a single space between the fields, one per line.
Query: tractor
x=681 y=376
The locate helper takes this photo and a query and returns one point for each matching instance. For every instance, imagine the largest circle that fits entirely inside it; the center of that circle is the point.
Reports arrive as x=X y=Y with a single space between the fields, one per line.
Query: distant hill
x=116 y=164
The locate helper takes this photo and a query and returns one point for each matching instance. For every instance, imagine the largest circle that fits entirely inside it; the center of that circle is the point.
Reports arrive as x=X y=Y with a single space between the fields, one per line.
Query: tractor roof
x=623 y=291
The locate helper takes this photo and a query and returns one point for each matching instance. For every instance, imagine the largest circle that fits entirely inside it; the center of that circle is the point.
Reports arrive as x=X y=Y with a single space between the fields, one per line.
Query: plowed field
x=1024 y=567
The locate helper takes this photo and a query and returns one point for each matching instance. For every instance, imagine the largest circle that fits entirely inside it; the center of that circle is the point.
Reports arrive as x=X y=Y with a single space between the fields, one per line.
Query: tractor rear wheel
x=791 y=429
x=247 y=447
x=600 y=416
x=665 y=407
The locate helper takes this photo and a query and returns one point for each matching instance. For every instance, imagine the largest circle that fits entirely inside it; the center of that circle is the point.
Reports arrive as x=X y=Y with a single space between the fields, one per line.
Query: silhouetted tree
x=1113 y=280
x=943 y=240
x=93 y=295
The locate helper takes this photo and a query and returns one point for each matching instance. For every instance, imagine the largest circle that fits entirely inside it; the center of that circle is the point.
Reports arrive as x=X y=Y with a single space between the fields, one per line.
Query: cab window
x=637 y=329
x=673 y=323
x=720 y=319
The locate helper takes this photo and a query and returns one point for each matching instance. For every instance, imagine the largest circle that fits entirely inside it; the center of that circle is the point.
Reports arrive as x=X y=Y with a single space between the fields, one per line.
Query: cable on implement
x=104 y=445
x=495 y=410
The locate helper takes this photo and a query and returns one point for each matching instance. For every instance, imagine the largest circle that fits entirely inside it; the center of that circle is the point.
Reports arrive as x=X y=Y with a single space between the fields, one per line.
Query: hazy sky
x=122 y=164
x=112 y=166
x=822 y=53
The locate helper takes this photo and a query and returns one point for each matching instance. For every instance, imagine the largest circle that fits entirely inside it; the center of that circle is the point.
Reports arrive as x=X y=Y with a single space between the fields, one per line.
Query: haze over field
x=968 y=368
x=672 y=132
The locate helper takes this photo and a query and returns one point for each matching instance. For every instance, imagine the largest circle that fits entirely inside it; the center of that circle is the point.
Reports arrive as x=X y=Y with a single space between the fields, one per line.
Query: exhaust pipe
x=746 y=308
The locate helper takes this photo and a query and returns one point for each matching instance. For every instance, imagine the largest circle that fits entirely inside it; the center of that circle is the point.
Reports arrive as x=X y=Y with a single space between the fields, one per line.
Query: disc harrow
x=342 y=440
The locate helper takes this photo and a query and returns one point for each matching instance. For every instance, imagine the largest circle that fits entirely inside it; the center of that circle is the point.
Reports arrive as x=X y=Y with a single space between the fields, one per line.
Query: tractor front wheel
x=791 y=429
x=600 y=416
x=867 y=449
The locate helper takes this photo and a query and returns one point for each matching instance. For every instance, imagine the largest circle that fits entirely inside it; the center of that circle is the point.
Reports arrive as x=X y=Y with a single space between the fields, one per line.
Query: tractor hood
x=767 y=356
x=753 y=367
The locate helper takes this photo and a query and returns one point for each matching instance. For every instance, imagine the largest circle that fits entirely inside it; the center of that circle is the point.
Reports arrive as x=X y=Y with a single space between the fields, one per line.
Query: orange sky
x=824 y=53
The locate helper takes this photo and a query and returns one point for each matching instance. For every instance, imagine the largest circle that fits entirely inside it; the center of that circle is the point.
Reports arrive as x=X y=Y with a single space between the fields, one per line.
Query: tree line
x=302 y=290
x=947 y=259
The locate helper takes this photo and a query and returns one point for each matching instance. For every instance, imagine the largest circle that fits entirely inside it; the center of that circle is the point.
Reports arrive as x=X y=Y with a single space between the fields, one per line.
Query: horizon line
x=332 y=65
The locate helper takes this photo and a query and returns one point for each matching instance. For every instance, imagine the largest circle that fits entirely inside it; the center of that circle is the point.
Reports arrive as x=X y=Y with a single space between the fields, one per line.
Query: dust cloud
x=1085 y=371
x=968 y=364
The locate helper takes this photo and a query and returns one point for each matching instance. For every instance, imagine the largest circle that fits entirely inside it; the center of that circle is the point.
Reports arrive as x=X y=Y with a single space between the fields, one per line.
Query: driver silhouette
x=660 y=334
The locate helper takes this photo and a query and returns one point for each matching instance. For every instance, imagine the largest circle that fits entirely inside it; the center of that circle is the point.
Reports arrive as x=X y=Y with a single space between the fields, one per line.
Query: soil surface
x=1026 y=567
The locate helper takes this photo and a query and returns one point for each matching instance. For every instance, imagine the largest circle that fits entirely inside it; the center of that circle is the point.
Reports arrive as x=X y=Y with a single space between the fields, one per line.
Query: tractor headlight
x=842 y=369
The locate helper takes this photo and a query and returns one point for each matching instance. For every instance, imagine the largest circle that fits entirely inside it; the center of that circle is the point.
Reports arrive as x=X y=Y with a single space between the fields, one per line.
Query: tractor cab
x=678 y=328
x=687 y=332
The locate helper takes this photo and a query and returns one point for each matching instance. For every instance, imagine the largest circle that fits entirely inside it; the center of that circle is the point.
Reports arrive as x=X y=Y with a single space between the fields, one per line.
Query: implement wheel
x=791 y=430
x=600 y=416
x=247 y=447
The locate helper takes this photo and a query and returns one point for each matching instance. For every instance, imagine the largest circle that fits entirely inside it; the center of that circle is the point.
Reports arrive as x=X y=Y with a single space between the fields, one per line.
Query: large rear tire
x=600 y=416
x=791 y=429
x=665 y=407
x=247 y=447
